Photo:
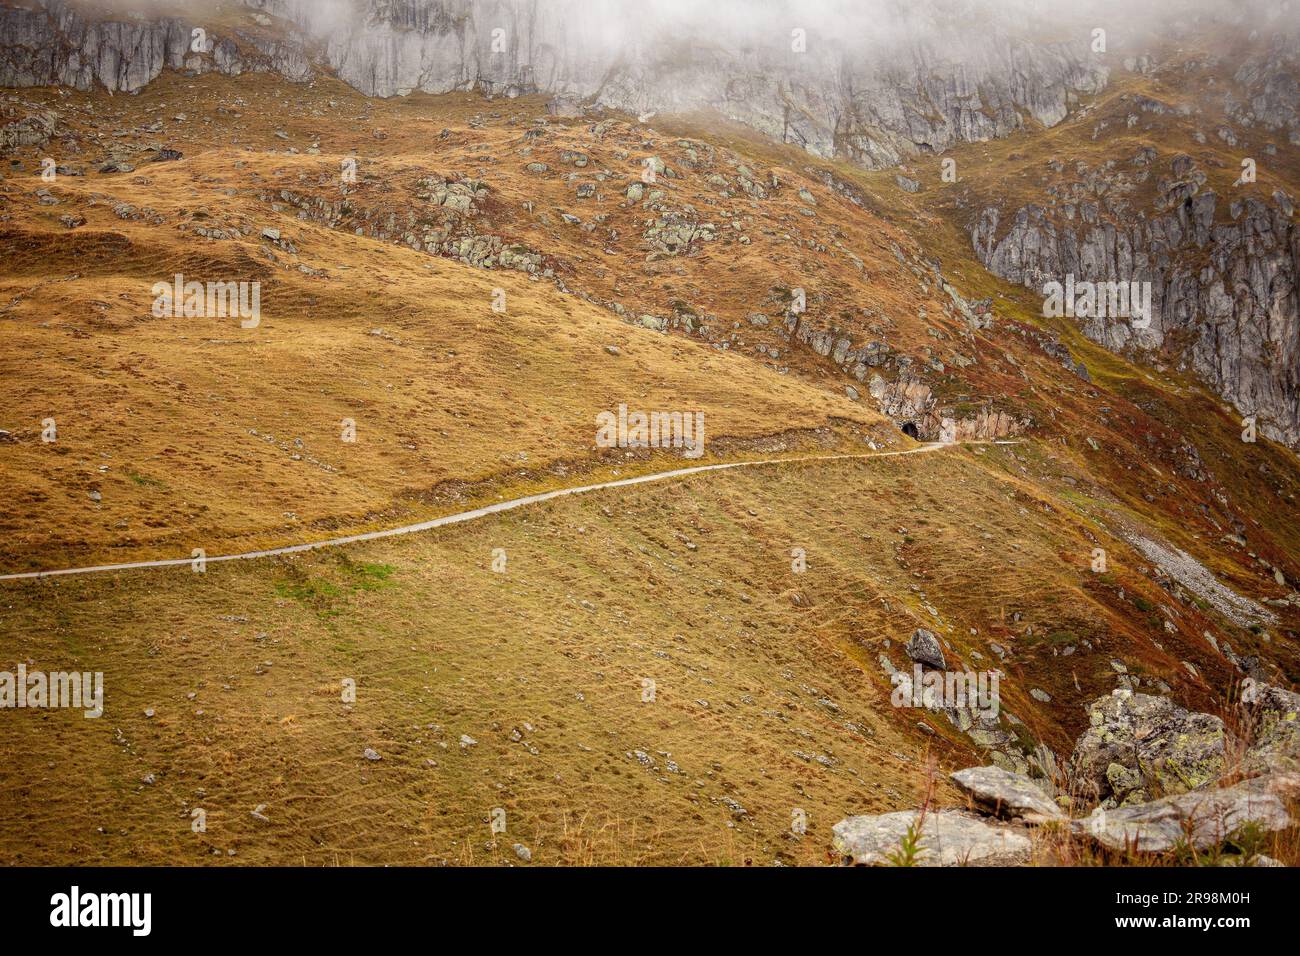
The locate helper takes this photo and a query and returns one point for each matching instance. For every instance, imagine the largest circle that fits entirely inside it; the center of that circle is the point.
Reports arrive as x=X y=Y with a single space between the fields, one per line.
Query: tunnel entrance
x=909 y=429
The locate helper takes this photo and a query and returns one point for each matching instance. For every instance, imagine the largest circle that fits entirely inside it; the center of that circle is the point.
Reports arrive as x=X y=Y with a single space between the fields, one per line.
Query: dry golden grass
x=688 y=584
x=159 y=415
x=685 y=583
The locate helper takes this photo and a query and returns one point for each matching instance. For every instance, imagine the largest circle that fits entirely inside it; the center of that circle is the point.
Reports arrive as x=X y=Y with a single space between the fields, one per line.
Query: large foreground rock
x=1201 y=819
x=1138 y=743
x=948 y=838
x=1007 y=795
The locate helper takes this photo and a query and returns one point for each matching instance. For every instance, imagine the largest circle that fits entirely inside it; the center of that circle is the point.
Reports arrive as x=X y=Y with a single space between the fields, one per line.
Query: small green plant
x=909 y=847
x=1250 y=840
x=144 y=480
x=1238 y=848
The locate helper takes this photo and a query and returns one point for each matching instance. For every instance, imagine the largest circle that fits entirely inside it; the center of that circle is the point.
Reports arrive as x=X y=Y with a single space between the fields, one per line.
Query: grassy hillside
x=224 y=690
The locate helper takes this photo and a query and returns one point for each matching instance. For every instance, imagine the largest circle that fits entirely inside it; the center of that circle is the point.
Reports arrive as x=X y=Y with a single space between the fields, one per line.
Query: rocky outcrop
x=34 y=130
x=58 y=43
x=1138 y=744
x=448 y=222
x=1225 y=289
x=1277 y=728
x=1268 y=76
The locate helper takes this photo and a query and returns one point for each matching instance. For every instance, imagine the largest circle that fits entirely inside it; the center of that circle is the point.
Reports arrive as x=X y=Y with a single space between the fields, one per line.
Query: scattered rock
x=29 y=131
x=924 y=647
x=1007 y=795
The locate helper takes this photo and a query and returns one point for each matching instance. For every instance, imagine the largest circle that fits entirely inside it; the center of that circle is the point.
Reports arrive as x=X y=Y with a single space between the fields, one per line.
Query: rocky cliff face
x=875 y=101
x=1224 y=273
x=830 y=94
x=57 y=43
x=1224 y=282
x=1223 y=294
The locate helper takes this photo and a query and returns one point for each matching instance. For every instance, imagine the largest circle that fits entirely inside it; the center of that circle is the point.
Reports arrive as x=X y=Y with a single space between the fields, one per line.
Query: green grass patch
x=328 y=597
x=367 y=577
x=144 y=480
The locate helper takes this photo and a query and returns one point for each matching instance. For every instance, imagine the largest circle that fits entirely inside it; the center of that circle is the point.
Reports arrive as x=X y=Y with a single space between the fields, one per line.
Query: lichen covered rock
x=1164 y=748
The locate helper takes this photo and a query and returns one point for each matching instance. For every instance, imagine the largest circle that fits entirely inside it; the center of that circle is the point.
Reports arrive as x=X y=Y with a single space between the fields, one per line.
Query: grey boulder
x=948 y=838
x=925 y=648
x=1202 y=819
x=1171 y=750
x=1007 y=795
x=1276 y=746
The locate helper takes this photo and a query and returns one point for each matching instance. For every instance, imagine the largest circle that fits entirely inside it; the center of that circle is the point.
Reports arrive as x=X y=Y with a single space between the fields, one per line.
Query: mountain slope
x=802 y=303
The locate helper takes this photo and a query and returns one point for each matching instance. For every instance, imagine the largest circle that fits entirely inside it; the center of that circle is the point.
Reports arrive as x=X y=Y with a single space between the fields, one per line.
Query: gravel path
x=472 y=514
